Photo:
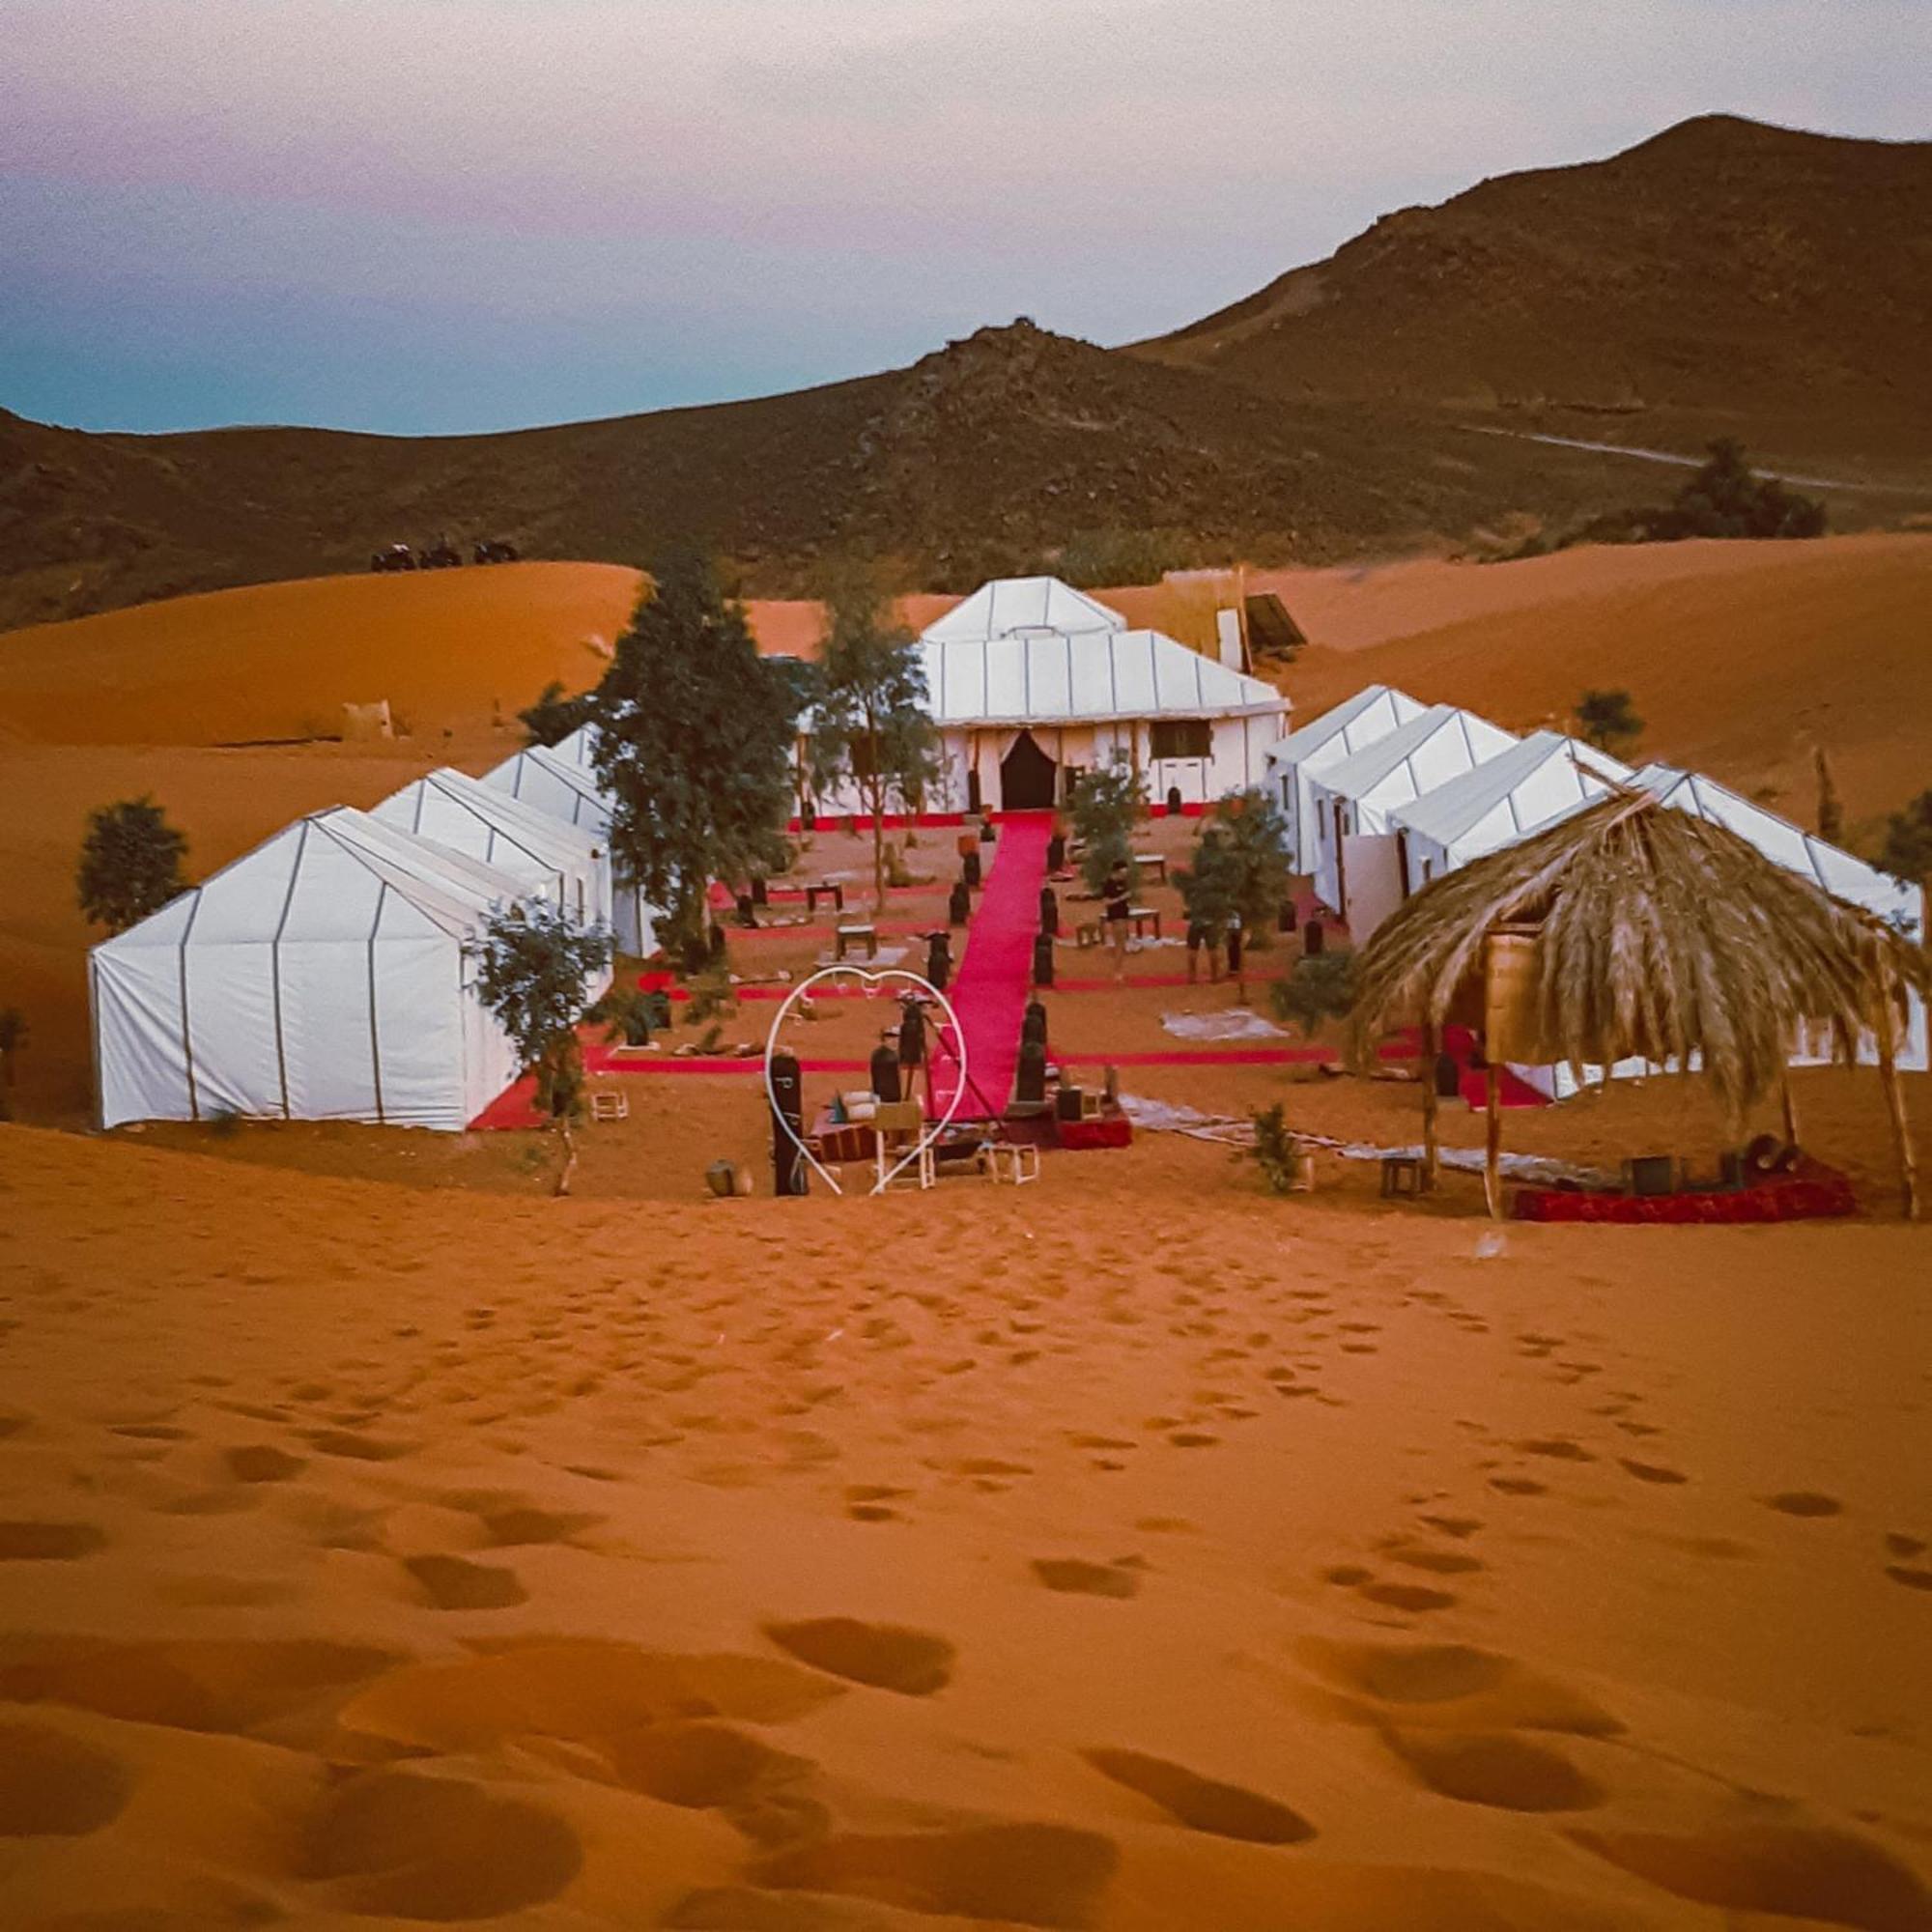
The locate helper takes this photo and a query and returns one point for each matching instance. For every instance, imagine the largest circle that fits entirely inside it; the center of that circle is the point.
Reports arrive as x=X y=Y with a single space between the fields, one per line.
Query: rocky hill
x=1722 y=277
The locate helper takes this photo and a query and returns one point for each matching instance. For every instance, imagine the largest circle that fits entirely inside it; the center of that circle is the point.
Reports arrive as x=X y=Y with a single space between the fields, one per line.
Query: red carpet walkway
x=990 y=993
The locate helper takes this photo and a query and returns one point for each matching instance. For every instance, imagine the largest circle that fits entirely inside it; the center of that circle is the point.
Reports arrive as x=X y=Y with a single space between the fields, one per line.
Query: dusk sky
x=434 y=216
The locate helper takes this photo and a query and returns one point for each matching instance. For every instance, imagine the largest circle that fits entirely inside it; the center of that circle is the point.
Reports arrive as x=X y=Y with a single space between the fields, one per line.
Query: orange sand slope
x=374 y=1556
x=1739 y=656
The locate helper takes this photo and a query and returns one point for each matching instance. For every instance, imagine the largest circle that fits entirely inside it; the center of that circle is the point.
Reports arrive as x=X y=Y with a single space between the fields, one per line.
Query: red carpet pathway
x=990 y=993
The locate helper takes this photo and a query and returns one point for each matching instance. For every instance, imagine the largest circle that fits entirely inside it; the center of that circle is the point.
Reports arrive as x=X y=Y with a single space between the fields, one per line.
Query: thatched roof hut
x=1652 y=933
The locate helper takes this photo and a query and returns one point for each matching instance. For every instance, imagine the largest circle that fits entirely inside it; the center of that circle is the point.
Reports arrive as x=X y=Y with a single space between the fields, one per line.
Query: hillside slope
x=1724 y=275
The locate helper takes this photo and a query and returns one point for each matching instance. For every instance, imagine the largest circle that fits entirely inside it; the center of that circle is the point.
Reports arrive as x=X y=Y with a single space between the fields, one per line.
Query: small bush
x=1608 y=720
x=1275 y=1149
x=130 y=864
x=1322 y=987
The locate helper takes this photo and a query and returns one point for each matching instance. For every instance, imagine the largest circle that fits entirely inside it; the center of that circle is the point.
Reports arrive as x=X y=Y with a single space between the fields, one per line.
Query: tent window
x=1181 y=738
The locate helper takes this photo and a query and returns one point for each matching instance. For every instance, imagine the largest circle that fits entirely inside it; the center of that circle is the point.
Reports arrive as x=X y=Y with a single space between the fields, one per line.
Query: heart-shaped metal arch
x=869 y=978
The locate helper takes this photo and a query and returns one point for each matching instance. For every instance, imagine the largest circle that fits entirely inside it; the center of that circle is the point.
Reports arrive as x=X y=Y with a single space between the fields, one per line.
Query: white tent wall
x=321 y=977
x=1339 y=733
x=1542 y=777
x=561 y=783
x=1009 y=606
x=1355 y=797
x=566 y=862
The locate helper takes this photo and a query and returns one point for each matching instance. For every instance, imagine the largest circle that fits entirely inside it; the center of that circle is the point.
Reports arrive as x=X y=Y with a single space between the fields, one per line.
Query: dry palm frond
x=1660 y=934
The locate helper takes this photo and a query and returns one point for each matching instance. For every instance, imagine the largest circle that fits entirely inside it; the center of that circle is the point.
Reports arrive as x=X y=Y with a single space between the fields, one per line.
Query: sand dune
x=373 y=1556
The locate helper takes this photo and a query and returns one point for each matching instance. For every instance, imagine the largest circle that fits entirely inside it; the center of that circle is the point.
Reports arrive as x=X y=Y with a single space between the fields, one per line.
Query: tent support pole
x=1789 y=1102
x=1432 y=1142
x=1492 y=1140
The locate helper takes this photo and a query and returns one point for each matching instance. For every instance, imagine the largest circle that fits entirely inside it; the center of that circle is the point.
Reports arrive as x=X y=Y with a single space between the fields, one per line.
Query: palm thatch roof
x=1659 y=934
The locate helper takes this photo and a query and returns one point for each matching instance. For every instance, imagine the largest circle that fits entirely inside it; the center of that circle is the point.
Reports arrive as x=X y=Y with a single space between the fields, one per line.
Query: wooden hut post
x=1432 y=1140
x=1886 y=1026
x=1789 y=1102
x=1492 y=1140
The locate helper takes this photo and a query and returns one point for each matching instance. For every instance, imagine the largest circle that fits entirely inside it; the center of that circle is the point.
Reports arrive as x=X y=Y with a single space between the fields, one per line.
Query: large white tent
x=1350 y=727
x=1010 y=607
x=321 y=977
x=1031 y=682
x=560 y=781
x=1503 y=799
x=1351 y=801
x=565 y=862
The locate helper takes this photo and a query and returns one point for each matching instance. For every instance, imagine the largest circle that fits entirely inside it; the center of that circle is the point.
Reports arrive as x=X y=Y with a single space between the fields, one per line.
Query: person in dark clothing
x=1118 y=894
x=911 y=1043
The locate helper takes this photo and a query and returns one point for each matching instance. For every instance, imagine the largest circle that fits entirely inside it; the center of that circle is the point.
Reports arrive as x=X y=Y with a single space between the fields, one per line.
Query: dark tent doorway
x=1026 y=777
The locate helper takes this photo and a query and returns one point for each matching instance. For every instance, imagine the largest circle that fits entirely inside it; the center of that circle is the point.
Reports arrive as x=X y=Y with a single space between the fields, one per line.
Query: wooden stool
x=824 y=889
x=869 y=933
x=1143 y=917
x=1087 y=933
x=1006 y=1160
x=1402 y=1177
x=607 y=1103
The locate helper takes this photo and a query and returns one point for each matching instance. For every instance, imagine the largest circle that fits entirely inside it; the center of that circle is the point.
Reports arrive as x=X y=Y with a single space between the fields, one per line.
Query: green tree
x=1256 y=832
x=1321 y=988
x=533 y=965
x=12 y=1038
x=1906 y=851
x=870 y=724
x=554 y=717
x=1105 y=805
x=1727 y=498
x=1608 y=720
x=1211 y=892
x=130 y=864
x=696 y=738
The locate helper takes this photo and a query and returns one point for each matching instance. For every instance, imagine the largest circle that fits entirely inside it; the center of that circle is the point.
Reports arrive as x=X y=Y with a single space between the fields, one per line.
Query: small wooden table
x=1153 y=861
x=1009 y=1161
x=825 y=889
x=1143 y=917
x=1402 y=1177
x=846 y=934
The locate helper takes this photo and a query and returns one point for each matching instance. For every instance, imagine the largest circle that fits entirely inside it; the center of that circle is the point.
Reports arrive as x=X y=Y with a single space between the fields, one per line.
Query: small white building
x=1032 y=683
x=1352 y=727
x=321 y=977
x=1355 y=867
x=559 y=781
x=1500 y=801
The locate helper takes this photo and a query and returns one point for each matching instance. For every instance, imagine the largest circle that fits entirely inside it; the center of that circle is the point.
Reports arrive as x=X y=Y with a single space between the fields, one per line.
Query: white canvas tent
x=559 y=781
x=1352 y=727
x=565 y=862
x=1352 y=800
x=1503 y=799
x=1019 y=606
x=1032 y=683
x=321 y=977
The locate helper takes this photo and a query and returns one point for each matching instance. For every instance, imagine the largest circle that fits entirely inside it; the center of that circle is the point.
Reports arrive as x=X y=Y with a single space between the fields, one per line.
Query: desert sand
x=382 y=1542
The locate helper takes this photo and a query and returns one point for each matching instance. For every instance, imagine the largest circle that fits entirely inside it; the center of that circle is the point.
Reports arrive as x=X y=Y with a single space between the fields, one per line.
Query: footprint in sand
x=263 y=1462
x=1439 y=1562
x=1459 y=1527
x=1412 y=1599
x=1203 y=1804
x=1560 y=1447
x=407 y=1845
x=1805 y=1502
x=1022 y=1874
x=53 y=1785
x=454 y=1583
x=888 y=1656
x=1912 y=1579
x=1518 y=1486
x=1458 y=1686
x=356 y=1448
x=1812 y=1872
x=1496 y=1769
x=1652 y=1472
x=1074 y=1576
x=49 y=1542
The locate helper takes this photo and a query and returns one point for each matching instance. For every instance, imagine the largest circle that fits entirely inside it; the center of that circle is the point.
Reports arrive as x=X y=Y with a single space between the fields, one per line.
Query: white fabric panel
x=1373 y=868
x=231 y=1026
x=1006 y=678
x=419 y=1030
x=1091 y=693
x=1049 y=676
x=137 y=1030
x=325 y=1036
x=1011 y=604
x=1135 y=693
x=1178 y=680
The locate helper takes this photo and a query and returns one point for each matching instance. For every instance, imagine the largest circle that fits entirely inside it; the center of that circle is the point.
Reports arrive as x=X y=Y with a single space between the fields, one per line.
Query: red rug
x=1815 y=1192
x=990 y=993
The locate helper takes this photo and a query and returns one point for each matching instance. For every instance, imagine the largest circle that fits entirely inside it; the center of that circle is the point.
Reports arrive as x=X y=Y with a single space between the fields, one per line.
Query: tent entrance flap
x=1026 y=777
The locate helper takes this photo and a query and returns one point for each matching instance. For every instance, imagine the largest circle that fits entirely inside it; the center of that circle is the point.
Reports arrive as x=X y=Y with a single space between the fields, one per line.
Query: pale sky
x=443 y=216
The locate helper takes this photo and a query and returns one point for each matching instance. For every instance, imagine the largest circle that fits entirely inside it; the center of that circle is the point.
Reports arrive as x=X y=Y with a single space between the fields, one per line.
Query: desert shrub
x=1090 y=560
x=1906 y=851
x=1608 y=720
x=554 y=717
x=1321 y=987
x=630 y=1014
x=1275 y=1149
x=1105 y=805
x=130 y=864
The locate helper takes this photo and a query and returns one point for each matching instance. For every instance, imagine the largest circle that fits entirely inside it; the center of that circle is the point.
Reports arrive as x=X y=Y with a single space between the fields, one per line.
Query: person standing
x=1118 y=895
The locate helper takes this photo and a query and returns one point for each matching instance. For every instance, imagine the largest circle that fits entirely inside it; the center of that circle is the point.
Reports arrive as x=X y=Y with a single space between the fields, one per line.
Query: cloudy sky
x=439 y=215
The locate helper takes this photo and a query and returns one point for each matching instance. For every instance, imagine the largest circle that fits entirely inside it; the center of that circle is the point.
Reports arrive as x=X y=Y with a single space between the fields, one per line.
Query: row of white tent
x=1385 y=793
x=327 y=974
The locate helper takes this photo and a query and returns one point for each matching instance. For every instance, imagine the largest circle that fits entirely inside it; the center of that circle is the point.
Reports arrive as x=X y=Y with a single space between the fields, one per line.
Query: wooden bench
x=1142 y=917
x=848 y=934
x=824 y=889
x=1154 y=863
